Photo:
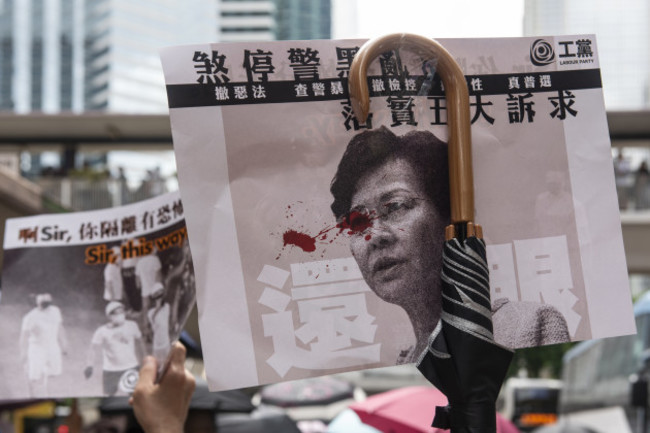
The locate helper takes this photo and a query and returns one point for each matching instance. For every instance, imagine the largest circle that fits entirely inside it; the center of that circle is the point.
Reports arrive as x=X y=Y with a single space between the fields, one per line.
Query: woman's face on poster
x=396 y=255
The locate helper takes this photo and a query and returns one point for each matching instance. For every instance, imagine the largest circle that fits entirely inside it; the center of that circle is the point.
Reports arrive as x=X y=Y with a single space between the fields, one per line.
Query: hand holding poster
x=318 y=237
x=87 y=295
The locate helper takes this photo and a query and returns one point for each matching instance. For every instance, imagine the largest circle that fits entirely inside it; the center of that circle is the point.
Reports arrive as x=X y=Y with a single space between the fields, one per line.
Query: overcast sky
x=433 y=18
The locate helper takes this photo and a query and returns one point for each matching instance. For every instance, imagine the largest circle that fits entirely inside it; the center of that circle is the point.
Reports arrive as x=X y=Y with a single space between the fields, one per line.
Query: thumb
x=148 y=370
x=177 y=355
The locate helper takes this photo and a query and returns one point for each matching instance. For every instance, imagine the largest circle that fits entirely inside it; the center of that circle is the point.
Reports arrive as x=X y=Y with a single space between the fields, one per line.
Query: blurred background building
x=83 y=56
x=303 y=20
x=250 y=20
x=268 y=20
x=78 y=55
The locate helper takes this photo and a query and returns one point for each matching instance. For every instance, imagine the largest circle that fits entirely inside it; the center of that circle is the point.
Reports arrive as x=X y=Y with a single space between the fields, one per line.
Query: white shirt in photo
x=41 y=327
x=113 y=286
x=118 y=345
x=159 y=320
x=146 y=270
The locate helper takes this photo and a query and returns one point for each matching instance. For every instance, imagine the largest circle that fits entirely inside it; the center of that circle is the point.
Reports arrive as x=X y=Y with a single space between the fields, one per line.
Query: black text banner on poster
x=244 y=93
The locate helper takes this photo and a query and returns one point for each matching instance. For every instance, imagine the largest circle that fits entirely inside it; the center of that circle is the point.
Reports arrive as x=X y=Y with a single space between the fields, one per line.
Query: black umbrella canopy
x=223 y=401
x=202 y=399
x=307 y=392
x=266 y=423
x=565 y=427
x=462 y=360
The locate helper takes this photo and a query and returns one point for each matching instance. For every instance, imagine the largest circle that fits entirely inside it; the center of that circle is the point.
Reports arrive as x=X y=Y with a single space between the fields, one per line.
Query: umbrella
x=348 y=421
x=319 y=398
x=269 y=422
x=565 y=427
x=462 y=359
x=407 y=410
x=225 y=401
x=308 y=392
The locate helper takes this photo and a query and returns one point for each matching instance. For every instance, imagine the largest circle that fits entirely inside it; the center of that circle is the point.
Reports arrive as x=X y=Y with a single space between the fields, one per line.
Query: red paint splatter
x=301 y=240
x=356 y=223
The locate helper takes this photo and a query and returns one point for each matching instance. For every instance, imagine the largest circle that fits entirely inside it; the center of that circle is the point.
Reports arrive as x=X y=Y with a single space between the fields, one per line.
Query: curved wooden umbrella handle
x=461 y=182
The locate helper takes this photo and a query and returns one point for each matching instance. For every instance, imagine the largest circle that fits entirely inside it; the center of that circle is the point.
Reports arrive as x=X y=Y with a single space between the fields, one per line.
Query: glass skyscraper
x=79 y=55
x=246 y=20
x=266 y=20
x=37 y=59
x=76 y=55
x=297 y=19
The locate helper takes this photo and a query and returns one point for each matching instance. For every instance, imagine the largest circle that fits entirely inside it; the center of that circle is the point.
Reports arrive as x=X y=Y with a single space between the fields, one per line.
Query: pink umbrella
x=408 y=410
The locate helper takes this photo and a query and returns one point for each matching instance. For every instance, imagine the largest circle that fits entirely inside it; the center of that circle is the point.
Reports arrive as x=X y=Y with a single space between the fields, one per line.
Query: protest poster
x=86 y=295
x=311 y=254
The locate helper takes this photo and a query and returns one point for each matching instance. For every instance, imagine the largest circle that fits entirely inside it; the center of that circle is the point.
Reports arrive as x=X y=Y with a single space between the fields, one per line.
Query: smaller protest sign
x=85 y=296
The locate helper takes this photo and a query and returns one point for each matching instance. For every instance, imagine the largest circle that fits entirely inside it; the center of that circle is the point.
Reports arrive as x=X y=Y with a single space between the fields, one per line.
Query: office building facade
x=40 y=57
x=246 y=20
x=103 y=55
x=298 y=19
x=77 y=55
x=267 y=20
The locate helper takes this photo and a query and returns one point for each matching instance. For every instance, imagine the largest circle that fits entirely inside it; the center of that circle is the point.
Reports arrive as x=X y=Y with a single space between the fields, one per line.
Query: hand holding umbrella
x=462 y=359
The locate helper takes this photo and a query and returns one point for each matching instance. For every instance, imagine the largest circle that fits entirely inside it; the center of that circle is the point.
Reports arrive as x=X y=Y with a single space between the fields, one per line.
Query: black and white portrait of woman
x=400 y=184
x=395 y=182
